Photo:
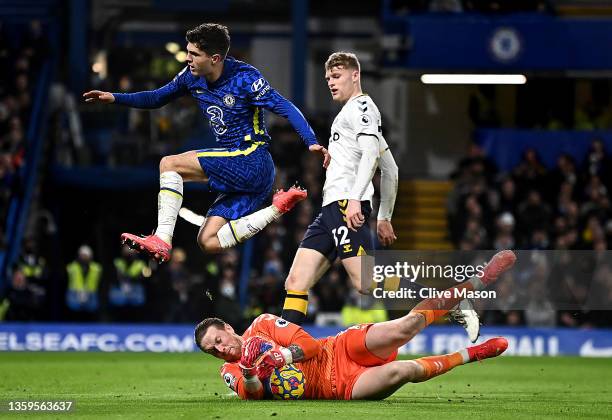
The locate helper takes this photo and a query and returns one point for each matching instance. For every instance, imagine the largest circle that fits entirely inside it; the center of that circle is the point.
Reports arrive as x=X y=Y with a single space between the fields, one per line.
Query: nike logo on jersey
x=200 y=91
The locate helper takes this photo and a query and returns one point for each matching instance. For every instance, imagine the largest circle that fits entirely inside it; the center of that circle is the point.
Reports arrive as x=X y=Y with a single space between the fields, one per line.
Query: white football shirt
x=358 y=117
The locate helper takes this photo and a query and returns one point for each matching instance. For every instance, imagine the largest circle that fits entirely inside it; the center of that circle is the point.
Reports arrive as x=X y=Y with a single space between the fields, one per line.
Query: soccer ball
x=287 y=383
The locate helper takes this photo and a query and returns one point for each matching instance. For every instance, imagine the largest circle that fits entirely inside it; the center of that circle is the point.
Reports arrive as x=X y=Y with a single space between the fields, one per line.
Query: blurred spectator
x=362 y=309
x=597 y=203
x=84 y=276
x=34 y=268
x=226 y=303
x=533 y=214
x=127 y=291
x=179 y=279
x=598 y=162
x=530 y=173
x=564 y=174
x=32 y=264
x=24 y=298
x=505 y=228
x=507 y=199
x=332 y=290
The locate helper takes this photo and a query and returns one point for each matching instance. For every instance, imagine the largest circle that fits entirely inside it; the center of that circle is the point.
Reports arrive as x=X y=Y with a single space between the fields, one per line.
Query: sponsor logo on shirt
x=257 y=84
x=260 y=85
x=216 y=119
x=262 y=93
x=364 y=119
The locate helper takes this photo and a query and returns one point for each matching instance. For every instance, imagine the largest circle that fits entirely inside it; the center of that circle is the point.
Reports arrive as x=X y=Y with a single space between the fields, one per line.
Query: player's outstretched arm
x=94 y=96
x=147 y=99
x=388 y=192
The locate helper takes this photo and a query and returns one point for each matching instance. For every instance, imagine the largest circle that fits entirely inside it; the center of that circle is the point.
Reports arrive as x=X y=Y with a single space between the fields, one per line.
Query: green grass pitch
x=141 y=386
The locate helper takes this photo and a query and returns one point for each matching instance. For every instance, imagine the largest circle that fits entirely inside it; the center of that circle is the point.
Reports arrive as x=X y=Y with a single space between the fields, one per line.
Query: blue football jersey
x=234 y=104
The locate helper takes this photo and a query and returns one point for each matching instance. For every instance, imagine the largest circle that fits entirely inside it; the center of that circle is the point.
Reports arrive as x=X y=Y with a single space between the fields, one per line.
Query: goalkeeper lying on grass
x=358 y=363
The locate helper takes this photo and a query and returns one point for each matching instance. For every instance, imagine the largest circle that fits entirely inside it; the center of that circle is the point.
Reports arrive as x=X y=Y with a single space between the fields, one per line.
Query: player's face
x=222 y=343
x=200 y=63
x=341 y=82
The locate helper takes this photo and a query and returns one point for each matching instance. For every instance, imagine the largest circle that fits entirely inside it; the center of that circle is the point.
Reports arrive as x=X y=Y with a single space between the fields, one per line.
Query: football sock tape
x=169 y=202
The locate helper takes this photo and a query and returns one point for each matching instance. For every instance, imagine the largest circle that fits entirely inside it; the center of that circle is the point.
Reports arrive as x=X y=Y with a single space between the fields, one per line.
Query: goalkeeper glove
x=252 y=350
x=274 y=358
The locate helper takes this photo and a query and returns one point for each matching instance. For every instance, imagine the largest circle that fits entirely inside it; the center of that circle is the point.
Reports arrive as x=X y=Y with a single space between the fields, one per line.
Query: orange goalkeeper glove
x=252 y=350
x=274 y=358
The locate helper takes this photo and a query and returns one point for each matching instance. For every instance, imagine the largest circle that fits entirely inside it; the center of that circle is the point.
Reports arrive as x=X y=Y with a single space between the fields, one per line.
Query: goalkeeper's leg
x=381 y=381
x=384 y=338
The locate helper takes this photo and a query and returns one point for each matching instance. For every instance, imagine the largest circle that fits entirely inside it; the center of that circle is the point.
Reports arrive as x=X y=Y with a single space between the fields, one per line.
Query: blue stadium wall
x=179 y=338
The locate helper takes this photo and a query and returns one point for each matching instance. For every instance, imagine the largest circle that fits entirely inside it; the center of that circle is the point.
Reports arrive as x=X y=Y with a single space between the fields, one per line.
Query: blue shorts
x=329 y=234
x=242 y=176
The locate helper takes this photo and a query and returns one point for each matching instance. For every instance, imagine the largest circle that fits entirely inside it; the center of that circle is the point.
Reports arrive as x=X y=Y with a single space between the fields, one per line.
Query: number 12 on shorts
x=340 y=236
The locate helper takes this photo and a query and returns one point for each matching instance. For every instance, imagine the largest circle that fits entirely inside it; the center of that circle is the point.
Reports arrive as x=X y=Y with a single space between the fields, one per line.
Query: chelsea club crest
x=229 y=100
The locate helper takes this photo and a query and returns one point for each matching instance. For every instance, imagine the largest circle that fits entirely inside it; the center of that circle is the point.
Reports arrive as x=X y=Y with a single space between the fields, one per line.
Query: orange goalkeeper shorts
x=352 y=358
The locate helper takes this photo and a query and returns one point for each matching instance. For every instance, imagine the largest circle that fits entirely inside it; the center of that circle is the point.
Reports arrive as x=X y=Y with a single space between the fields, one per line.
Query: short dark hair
x=212 y=38
x=202 y=327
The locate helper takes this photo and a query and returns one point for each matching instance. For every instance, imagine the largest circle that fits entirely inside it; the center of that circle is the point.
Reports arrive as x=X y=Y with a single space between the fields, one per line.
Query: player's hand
x=354 y=217
x=94 y=96
x=272 y=359
x=252 y=350
x=317 y=148
x=386 y=235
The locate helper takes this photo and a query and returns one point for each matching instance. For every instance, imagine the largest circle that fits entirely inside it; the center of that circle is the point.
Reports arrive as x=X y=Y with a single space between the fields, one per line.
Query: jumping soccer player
x=358 y=363
x=357 y=148
x=232 y=95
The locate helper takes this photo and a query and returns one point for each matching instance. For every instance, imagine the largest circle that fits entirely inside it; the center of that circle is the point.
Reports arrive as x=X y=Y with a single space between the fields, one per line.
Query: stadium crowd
x=22 y=50
x=20 y=57
x=533 y=208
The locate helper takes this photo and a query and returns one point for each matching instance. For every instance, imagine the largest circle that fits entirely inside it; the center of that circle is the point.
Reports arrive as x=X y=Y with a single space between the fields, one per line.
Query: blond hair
x=342 y=59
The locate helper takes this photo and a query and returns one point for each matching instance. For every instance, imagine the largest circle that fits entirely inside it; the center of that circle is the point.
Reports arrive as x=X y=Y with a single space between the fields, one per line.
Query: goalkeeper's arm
x=291 y=344
x=248 y=387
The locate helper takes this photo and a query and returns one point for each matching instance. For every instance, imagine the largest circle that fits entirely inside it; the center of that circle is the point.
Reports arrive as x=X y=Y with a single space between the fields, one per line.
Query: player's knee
x=209 y=244
x=411 y=325
x=364 y=291
x=166 y=164
x=402 y=372
x=295 y=282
